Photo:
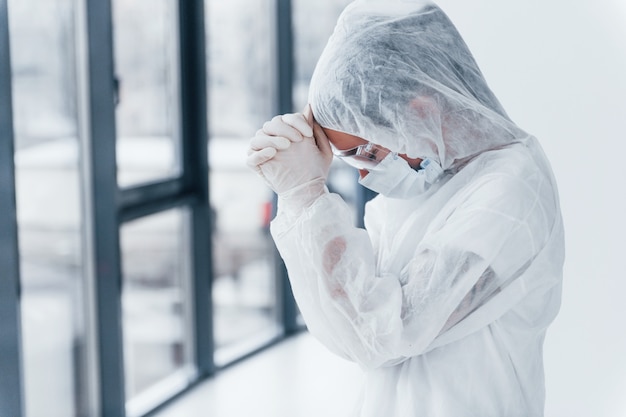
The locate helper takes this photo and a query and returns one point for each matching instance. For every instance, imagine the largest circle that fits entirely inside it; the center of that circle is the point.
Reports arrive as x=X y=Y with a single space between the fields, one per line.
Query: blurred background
x=558 y=68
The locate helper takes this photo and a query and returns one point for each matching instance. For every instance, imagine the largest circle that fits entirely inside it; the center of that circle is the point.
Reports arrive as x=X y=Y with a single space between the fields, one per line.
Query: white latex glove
x=296 y=172
x=275 y=135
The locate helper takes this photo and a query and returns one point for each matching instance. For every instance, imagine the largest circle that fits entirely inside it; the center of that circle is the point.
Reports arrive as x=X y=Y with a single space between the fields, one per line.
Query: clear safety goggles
x=365 y=156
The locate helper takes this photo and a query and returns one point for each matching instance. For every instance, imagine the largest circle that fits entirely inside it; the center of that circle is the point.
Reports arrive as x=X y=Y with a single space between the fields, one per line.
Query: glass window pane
x=240 y=72
x=146 y=59
x=155 y=304
x=241 y=65
x=49 y=207
x=310 y=39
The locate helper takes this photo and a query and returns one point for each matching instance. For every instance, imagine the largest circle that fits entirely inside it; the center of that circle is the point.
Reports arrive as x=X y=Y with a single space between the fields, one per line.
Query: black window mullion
x=285 y=56
x=151 y=193
x=153 y=198
x=11 y=395
x=284 y=85
x=196 y=174
x=101 y=196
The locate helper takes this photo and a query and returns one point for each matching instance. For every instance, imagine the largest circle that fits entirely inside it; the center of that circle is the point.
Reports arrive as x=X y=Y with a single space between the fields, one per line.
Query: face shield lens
x=366 y=156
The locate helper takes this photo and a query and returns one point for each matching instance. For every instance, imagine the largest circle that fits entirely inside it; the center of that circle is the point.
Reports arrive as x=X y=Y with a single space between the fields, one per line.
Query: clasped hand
x=290 y=152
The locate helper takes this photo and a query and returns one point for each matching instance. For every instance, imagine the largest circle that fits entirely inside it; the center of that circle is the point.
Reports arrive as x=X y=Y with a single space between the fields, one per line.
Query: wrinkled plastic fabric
x=445 y=298
x=407 y=82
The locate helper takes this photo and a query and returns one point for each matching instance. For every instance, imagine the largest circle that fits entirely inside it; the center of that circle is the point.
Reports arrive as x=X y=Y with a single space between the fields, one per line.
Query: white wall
x=559 y=68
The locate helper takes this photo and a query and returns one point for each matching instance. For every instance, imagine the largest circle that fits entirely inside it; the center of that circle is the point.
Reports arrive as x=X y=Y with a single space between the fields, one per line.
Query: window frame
x=109 y=206
x=106 y=206
x=11 y=397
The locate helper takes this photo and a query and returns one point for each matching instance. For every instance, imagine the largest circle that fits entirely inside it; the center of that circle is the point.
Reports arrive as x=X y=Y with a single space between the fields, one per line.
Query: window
x=240 y=62
x=48 y=188
x=158 y=349
x=147 y=111
x=122 y=231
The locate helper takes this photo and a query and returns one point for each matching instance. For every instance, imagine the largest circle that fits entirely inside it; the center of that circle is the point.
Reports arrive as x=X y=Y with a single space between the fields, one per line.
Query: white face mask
x=393 y=177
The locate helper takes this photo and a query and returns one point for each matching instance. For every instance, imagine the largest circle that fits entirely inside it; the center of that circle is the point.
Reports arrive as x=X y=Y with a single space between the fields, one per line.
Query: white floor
x=296 y=378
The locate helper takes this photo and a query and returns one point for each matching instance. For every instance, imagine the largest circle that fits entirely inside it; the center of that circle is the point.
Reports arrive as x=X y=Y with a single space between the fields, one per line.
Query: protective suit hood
x=397 y=73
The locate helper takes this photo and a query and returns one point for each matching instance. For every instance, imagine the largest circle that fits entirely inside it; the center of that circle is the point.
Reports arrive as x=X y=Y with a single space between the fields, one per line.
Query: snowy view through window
x=48 y=73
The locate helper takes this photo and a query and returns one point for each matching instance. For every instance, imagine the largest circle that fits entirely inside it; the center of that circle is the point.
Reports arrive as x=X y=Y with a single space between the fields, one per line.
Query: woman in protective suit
x=445 y=298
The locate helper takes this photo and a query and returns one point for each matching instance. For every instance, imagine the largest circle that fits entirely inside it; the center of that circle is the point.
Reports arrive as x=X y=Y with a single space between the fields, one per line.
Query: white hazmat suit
x=445 y=298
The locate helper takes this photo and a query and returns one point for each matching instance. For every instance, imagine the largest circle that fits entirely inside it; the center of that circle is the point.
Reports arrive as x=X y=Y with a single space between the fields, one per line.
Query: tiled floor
x=296 y=378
